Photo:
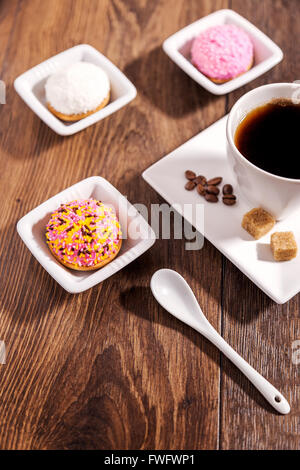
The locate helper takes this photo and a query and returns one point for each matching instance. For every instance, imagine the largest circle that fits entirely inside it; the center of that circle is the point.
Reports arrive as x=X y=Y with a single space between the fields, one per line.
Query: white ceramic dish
x=206 y=154
x=140 y=236
x=31 y=87
x=267 y=53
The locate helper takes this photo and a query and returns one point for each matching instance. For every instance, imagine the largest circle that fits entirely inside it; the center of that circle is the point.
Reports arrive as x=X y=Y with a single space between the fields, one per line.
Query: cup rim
x=231 y=140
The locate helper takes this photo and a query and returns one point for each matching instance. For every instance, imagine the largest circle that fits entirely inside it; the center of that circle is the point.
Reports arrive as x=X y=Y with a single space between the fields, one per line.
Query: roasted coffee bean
x=214 y=181
x=227 y=189
x=190 y=185
x=201 y=190
x=190 y=175
x=201 y=180
x=212 y=190
x=211 y=197
x=229 y=199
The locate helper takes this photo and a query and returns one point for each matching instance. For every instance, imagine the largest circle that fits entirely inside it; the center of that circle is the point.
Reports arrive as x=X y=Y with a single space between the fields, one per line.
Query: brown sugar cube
x=283 y=246
x=258 y=222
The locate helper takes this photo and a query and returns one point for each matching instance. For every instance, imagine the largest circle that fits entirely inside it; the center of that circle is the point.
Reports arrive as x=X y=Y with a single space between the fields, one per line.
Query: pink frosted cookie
x=222 y=52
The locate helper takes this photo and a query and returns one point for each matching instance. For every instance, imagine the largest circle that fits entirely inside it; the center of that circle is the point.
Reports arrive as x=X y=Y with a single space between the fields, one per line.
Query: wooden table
x=109 y=369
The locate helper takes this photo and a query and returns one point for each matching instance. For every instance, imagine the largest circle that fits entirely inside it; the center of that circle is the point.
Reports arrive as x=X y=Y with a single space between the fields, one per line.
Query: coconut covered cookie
x=222 y=52
x=77 y=91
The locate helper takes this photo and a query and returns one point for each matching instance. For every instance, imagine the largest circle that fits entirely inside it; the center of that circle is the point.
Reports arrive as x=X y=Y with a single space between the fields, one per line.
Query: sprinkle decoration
x=83 y=233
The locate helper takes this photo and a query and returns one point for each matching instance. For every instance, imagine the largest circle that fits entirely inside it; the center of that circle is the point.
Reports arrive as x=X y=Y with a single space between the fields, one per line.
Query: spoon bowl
x=174 y=294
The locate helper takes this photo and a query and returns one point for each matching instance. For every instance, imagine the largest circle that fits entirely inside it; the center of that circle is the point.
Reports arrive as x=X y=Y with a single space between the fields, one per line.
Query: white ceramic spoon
x=175 y=295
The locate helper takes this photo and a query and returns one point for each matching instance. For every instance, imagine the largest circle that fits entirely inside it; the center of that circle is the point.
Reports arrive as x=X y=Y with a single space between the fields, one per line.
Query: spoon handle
x=271 y=394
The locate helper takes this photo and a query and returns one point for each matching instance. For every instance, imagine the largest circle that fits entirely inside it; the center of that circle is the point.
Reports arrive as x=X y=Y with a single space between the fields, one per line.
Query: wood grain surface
x=108 y=368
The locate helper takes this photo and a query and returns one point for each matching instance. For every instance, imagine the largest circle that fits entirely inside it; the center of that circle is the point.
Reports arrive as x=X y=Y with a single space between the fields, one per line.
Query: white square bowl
x=31 y=87
x=266 y=53
x=138 y=235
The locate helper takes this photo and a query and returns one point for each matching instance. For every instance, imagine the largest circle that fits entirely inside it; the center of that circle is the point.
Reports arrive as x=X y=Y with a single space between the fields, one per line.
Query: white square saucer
x=139 y=236
x=206 y=154
x=31 y=87
x=266 y=53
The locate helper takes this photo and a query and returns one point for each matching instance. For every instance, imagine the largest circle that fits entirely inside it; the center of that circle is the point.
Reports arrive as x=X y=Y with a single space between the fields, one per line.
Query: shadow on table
x=26 y=136
x=135 y=300
x=21 y=273
x=165 y=85
x=243 y=301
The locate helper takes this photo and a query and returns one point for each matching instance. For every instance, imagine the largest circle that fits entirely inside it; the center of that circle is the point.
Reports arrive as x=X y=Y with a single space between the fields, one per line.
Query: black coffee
x=269 y=138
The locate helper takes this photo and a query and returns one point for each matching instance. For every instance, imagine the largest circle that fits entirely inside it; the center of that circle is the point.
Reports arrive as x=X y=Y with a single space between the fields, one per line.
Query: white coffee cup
x=278 y=195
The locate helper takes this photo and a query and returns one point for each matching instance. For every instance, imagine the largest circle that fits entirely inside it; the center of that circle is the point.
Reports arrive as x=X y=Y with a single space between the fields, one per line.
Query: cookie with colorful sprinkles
x=84 y=234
